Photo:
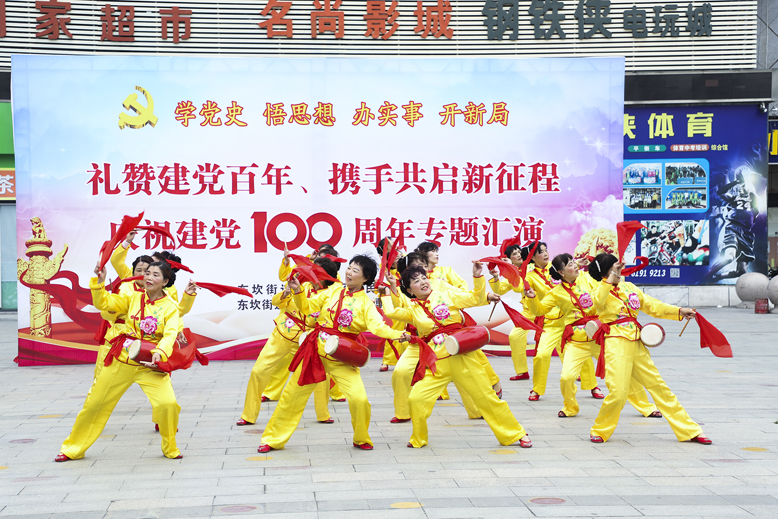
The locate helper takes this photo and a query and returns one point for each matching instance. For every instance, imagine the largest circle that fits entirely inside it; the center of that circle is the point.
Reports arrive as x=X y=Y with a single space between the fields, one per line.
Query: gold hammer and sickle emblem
x=145 y=113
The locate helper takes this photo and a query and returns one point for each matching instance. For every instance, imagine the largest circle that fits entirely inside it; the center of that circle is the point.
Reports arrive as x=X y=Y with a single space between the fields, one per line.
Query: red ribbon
x=637 y=268
x=624 y=232
x=117 y=343
x=507 y=270
x=223 y=290
x=128 y=224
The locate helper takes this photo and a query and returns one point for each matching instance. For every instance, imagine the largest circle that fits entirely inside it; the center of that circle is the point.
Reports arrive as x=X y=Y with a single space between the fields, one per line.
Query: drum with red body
x=591 y=327
x=652 y=335
x=347 y=350
x=140 y=351
x=467 y=339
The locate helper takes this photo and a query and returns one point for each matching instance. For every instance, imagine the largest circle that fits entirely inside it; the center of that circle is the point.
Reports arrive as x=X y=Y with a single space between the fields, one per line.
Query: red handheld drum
x=467 y=339
x=591 y=327
x=346 y=350
x=652 y=335
x=140 y=351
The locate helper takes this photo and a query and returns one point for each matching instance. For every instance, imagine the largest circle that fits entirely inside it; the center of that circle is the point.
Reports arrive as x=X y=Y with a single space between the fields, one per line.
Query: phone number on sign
x=649 y=273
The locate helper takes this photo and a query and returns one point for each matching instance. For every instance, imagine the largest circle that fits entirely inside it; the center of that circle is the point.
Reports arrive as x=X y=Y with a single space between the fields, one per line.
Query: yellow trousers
x=542 y=362
x=467 y=373
x=576 y=353
x=113 y=382
x=275 y=385
x=102 y=352
x=625 y=360
x=390 y=358
x=518 y=341
x=290 y=408
x=274 y=354
x=402 y=376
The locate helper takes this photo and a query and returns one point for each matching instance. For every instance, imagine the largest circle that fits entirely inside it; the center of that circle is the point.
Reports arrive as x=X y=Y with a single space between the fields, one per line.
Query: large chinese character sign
x=236 y=159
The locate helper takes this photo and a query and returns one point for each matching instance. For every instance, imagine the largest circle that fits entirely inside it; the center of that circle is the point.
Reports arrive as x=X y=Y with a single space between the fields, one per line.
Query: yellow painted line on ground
x=502 y=451
x=259 y=458
x=448 y=405
x=2 y=467
x=407 y=505
x=723 y=371
x=755 y=449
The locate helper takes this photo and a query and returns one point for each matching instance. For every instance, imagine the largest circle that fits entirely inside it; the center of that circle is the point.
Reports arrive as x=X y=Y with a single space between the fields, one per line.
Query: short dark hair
x=528 y=248
x=406 y=261
x=408 y=275
x=559 y=262
x=167 y=272
x=141 y=259
x=426 y=246
x=601 y=265
x=326 y=248
x=167 y=255
x=368 y=266
x=379 y=248
x=509 y=250
x=330 y=267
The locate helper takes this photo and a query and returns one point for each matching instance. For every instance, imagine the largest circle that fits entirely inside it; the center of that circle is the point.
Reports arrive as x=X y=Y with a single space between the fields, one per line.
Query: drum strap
x=539 y=322
x=567 y=335
x=117 y=343
x=599 y=338
x=308 y=354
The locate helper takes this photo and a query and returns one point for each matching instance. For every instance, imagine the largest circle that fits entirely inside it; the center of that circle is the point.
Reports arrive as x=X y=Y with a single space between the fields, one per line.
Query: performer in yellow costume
x=435 y=314
x=572 y=297
x=518 y=336
x=431 y=252
x=283 y=274
x=626 y=357
x=541 y=283
x=154 y=317
x=345 y=311
x=282 y=342
x=402 y=375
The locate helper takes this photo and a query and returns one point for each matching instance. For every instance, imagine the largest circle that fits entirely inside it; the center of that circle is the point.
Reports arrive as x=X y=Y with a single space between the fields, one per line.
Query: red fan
x=128 y=224
x=520 y=321
x=711 y=337
x=223 y=290
x=637 y=268
x=625 y=231
x=507 y=270
x=300 y=260
x=157 y=229
x=507 y=243
x=387 y=260
x=312 y=273
x=525 y=265
x=333 y=258
x=177 y=265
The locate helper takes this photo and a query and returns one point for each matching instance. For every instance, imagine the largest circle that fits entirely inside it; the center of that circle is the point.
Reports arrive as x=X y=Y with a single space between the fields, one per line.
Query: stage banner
x=696 y=177
x=236 y=158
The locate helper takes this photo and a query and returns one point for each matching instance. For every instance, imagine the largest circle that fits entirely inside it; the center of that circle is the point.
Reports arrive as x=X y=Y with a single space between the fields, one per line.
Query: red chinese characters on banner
x=447 y=179
x=190 y=234
x=205 y=179
x=186 y=110
x=470 y=231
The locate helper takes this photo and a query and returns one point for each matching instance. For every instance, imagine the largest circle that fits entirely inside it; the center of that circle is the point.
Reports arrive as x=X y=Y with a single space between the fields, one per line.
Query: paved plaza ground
x=642 y=471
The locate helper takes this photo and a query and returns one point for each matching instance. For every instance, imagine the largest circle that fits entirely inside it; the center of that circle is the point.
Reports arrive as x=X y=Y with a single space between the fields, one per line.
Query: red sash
x=308 y=354
x=570 y=328
x=427 y=356
x=599 y=338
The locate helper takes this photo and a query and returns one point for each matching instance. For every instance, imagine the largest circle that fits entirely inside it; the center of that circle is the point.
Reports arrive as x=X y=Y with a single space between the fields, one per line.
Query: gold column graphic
x=39 y=270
